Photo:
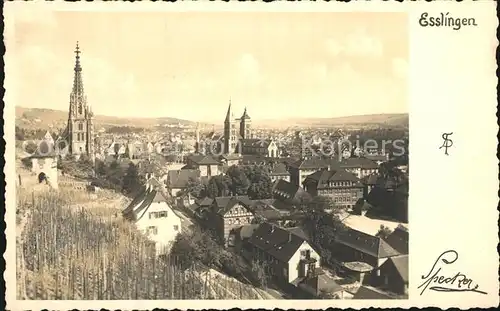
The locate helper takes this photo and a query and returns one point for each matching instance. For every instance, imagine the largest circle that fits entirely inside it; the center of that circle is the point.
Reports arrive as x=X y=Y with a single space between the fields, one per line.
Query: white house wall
x=166 y=232
x=293 y=263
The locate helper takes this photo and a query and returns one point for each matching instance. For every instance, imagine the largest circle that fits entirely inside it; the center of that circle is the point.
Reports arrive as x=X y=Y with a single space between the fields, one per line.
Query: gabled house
x=230 y=159
x=343 y=187
x=177 y=181
x=279 y=171
x=394 y=275
x=152 y=214
x=224 y=214
x=287 y=256
x=206 y=164
x=288 y=192
x=263 y=147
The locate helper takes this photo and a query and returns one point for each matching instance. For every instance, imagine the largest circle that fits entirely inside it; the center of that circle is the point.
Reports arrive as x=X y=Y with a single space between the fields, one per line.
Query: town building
x=279 y=171
x=360 y=253
x=394 y=275
x=292 y=262
x=288 y=193
x=399 y=239
x=230 y=159
x=79 y=133
x=224 y=214
x=343 y=187
x=207 y=165
x=152 y=214
x=287 y=255
x=302 y=168
x=360 y=167
x=177 y=183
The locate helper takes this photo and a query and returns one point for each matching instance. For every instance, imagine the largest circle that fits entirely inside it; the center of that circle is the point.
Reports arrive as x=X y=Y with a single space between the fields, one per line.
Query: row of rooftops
x=306 y=163
x=396 y=243
x=282 y=243
x=320 y=163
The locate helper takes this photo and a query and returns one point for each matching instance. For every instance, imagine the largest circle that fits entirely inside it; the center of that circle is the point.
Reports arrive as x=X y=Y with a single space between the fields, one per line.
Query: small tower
x=44 y=163
x=245 y=125
x=230 y=136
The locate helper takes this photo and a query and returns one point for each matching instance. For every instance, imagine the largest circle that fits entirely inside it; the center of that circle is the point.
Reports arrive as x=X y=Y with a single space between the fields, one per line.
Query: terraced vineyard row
x=69 y=253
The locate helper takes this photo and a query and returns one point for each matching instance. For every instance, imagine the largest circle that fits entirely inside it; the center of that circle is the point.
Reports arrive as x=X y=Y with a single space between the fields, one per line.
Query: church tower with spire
x=230 y=134
x=245 y=126
x=80 y=130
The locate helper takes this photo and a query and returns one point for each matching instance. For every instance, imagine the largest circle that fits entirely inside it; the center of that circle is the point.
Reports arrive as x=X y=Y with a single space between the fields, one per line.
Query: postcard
x=198 y=155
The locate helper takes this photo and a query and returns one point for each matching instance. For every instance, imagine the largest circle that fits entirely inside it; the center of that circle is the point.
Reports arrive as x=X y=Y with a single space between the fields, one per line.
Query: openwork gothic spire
x=78 y=82
x=229 y=115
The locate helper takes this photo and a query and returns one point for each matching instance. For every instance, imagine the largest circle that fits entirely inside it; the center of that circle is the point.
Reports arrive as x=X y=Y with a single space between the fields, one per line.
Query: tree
x=239 y=181
x=114 y=165
x=116 y=149
x=260 y=273
x=196 y=246
x=218 y=186
x=322 y=221
x=383 y=232
x=100 y=168
x=131 y=181
x=261 y=185
x=195 y=188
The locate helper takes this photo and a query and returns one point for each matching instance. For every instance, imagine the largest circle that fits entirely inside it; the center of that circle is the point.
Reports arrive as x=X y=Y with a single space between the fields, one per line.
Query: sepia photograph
x=230 y=156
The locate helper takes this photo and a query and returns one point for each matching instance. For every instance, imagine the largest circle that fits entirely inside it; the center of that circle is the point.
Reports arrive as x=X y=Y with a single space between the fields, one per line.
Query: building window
x=176 y=228
x=152 y=230
x=306 y=253
x=154 y=215
x=80 y=126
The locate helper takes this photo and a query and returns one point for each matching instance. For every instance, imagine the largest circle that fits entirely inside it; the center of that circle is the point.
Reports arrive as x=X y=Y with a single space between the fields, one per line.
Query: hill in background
x=39 y=118
x=389 y=120
x=49 y=118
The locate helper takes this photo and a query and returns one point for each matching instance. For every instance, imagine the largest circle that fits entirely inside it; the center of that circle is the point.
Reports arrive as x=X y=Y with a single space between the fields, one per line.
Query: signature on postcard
x=437 y=281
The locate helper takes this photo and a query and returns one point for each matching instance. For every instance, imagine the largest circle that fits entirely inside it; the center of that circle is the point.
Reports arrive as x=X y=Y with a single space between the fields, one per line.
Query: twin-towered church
x=237 y=138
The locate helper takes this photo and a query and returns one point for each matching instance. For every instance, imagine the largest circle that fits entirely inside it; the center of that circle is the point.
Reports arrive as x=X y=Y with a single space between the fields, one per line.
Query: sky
x=189 y=65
